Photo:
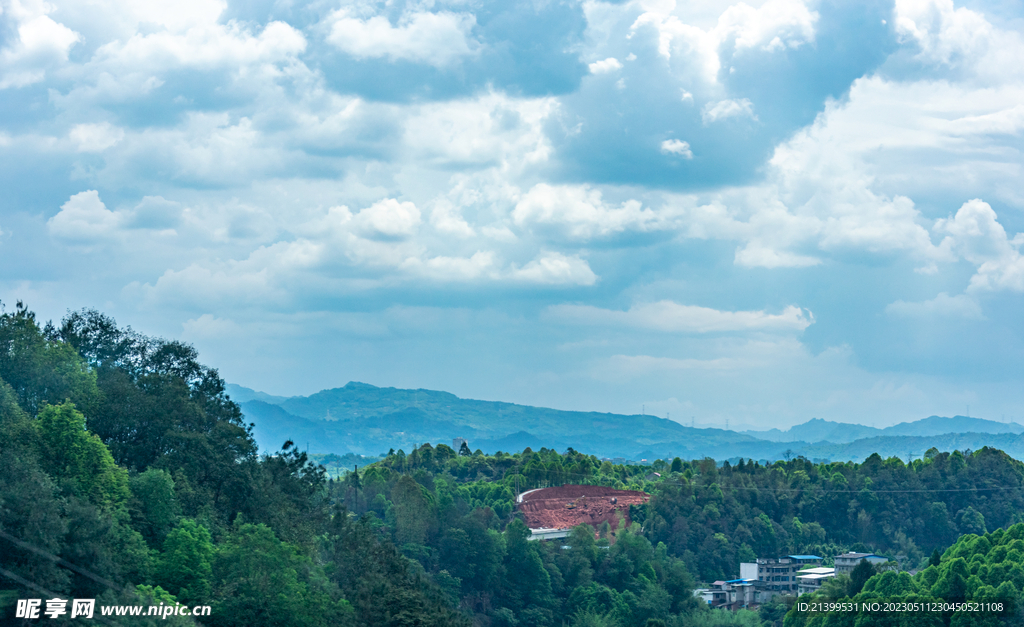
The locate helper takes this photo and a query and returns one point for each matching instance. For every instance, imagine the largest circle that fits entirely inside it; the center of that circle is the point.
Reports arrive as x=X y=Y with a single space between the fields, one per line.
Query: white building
x=810 y=579
x=846 y=562
x=548 y=534
x=748 y=570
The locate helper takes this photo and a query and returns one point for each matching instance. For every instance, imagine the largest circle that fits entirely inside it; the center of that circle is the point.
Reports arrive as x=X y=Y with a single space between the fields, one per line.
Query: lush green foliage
x=129 y=477
x=715 y=517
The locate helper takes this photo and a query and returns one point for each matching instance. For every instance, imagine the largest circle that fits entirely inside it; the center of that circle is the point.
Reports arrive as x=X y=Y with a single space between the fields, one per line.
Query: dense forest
x=130 y=476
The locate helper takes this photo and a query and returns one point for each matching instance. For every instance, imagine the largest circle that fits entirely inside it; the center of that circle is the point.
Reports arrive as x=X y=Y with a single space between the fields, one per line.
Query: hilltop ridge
x=364 y=419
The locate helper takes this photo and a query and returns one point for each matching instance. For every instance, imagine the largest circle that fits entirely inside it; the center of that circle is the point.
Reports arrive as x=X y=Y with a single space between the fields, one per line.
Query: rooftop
x=816 y=576
x=824 y=570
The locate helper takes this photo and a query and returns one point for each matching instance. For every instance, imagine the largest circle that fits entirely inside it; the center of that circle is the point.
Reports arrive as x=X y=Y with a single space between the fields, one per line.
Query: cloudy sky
x=755 y=211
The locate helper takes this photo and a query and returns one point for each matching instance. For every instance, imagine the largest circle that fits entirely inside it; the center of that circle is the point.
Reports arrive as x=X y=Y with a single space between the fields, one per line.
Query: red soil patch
x=549 y=507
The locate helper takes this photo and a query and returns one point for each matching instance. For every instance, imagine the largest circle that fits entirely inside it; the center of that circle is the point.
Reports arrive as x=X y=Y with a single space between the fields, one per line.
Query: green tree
x=39 y=367
x=860 y=575
x=526 y=581
x=185 y=567
x=952 y=582
x=70 y=452
x=412 y=511
x=380 y=583
x=154 y=506
x=259 y=580
x=972 y=521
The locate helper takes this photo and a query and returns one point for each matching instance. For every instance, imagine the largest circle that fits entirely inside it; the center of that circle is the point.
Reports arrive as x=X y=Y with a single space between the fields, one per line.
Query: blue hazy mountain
x=364 y=419
x=241 y=394
x=369 y=420
x=818 y=430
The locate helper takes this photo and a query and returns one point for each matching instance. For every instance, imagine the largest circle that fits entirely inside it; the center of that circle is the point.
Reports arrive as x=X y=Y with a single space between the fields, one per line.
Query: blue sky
x=755 y=211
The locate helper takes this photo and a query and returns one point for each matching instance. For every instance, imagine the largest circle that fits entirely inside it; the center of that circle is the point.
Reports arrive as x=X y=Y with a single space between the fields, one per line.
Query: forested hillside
x=122 y=456
x=130 y=477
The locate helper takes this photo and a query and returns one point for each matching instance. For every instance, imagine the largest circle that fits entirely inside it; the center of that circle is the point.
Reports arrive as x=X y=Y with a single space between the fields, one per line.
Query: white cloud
x=442 y=268
x=775 y=25
x=437 y=39
x=556 y=269
x=580 y=213
x=677 y=147
x=41 y=43
x=202 y=46
x=669 y=316
x=975 y=234
x=724 y=109
x=388 y=218
x=942 y=306
x=176 y=15
x=95 y=137
x=84 y=218
x=489 y=129
x=944 y=33
x=445 y=217
x=611 y=64
x=829 y=189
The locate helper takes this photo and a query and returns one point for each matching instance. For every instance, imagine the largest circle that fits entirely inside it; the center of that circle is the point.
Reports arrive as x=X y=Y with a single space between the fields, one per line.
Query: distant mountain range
x=818 y=430
x=367 y=420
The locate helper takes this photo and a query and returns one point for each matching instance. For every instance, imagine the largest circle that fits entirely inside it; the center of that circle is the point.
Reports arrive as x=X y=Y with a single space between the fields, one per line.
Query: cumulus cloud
x=975 y=234
x=669 y=316
x=95 y=137
x=41 y=43
x=204 y=46
x=388 y=218
x=677 y=147
x=488 y=129
x=445 y=217
x=724 y=109
x=605 y=66
x=580 y=212
x=554 y=268
x=84 y=218
x=437 y=39
x=455 y=269
x=829 y=188
x=775 y=25
x=944 y=33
